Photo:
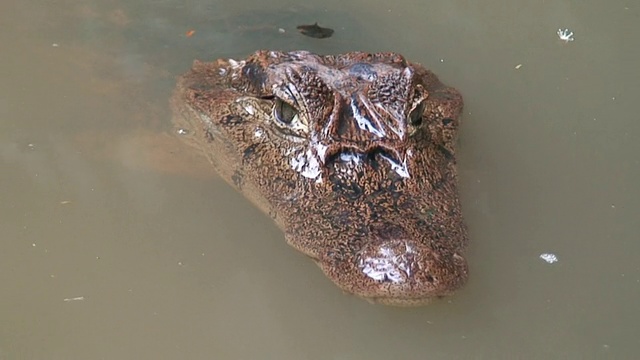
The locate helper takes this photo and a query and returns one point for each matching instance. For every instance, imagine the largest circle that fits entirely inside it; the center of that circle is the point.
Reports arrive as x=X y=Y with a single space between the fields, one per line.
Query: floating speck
x=182 y=131
x=55 y=45
x=565 y=35
x=281 y=30
x=78 y=298
x=518 y=66
x=549 y=258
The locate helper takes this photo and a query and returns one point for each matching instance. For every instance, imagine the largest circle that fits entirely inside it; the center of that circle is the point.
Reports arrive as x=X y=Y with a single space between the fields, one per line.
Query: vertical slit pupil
x=415 y=117
x=284 y=112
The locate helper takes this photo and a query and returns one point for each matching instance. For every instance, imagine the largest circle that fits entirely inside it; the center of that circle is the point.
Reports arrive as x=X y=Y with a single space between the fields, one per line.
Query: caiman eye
x=287 y=119
x=415 y=116
x=284 y=112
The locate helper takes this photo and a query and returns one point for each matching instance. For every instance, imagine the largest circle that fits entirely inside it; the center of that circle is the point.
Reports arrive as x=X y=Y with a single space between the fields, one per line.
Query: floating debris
x=565 y=35
x=315 y=31
x=518 y=66
x=549 y=258
x=78 y=298
x=190 y=33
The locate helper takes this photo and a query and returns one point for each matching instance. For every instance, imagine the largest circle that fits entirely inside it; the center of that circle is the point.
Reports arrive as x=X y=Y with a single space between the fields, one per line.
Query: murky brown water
x=109 y=252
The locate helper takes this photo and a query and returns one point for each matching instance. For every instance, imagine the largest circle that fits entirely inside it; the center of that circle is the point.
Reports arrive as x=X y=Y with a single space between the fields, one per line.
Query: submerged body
x=352 y=155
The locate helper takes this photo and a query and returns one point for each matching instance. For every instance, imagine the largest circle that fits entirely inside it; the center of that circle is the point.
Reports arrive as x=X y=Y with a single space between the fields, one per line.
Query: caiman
x=352 y=155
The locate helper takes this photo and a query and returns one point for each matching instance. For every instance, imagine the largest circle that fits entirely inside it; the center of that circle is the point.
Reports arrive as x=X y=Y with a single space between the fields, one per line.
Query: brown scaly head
x=352 y=155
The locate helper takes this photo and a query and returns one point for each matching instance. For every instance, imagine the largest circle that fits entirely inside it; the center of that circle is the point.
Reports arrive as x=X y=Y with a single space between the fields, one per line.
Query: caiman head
x=352 y=155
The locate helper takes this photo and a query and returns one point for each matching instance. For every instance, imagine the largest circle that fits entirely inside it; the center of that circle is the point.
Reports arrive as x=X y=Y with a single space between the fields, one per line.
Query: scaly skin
x=352 y=155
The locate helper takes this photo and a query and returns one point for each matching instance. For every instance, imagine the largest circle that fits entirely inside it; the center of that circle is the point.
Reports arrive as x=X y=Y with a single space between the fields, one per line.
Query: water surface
x=109 y=252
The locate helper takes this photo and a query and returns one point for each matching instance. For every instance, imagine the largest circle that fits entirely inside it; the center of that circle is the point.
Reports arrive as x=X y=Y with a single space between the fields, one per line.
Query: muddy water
x=113 y=247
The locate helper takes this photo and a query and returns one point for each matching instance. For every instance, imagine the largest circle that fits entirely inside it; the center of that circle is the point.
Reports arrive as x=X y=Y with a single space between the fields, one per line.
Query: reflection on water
x=119 y=244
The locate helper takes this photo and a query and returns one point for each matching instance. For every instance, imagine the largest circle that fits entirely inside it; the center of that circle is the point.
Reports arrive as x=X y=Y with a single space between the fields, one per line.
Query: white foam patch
x=549 y=258
x=389 y=265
